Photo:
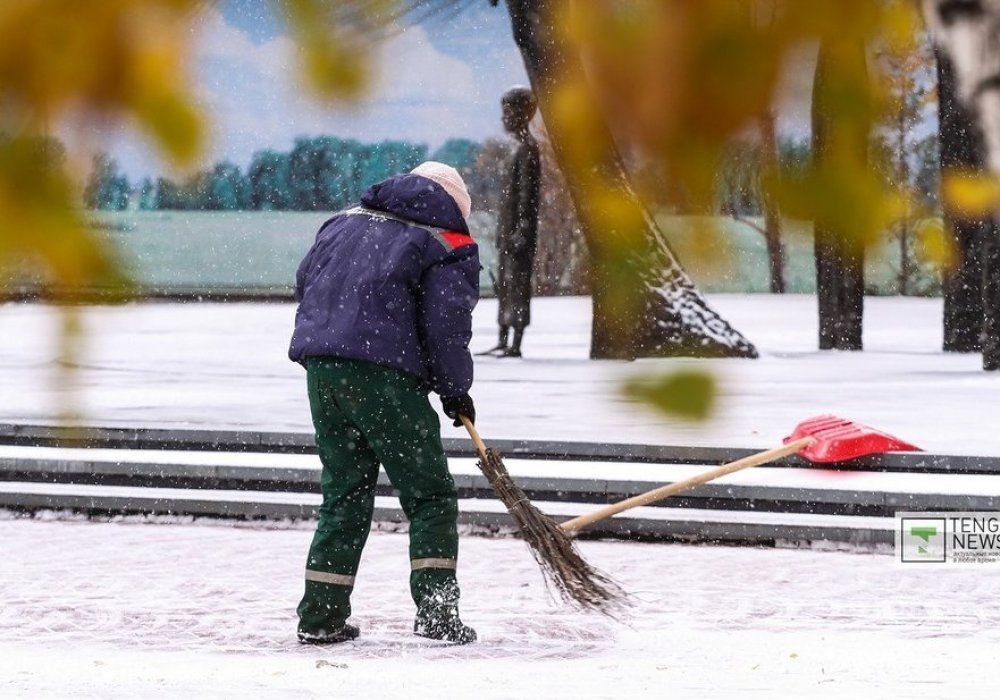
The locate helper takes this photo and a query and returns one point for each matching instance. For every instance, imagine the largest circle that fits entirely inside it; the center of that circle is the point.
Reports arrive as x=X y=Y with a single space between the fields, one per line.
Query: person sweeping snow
x=385 y=296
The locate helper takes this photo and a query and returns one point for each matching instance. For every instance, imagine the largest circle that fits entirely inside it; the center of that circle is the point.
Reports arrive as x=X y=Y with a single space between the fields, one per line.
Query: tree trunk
x=840 y=282
x=772 y=217
x=961 y=150
x=906 y=263
x=969 y=34
x=644 y=303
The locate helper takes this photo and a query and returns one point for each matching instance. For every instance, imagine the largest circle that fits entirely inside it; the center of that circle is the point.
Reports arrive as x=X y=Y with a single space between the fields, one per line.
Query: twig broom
x=562 y=565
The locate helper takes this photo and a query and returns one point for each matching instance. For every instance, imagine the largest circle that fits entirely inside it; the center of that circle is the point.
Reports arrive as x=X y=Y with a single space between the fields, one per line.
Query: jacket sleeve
x=300 y=275
x=449 y=290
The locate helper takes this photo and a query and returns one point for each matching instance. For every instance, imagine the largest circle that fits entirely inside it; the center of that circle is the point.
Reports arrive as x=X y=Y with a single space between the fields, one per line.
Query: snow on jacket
x=393 y=282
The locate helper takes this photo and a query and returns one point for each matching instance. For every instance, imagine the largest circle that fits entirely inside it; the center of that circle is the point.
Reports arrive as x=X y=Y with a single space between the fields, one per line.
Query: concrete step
x=646 y=523
x=303 y=443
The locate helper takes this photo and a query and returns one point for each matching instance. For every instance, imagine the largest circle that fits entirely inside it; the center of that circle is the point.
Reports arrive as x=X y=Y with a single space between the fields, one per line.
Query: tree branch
x=743 y=220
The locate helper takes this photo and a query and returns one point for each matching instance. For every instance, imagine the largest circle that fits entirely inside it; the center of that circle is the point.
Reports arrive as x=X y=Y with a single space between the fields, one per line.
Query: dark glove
x=461 y=405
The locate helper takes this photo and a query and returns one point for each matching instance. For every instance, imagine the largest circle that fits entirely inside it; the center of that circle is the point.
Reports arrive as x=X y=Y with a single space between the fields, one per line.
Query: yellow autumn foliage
x=974 y=194
x=680 y=80
x=84 y=65
x=677 y=80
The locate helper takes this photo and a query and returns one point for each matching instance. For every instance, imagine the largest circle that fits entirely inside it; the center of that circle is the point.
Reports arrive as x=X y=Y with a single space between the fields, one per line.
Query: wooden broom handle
x=670 y=489
x=474 y=434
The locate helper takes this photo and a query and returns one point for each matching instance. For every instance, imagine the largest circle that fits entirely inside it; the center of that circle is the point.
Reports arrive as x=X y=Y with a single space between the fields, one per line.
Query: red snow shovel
x=821 y=439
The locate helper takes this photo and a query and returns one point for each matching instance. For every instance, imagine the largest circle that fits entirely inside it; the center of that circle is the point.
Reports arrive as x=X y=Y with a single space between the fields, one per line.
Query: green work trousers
x=364 y=415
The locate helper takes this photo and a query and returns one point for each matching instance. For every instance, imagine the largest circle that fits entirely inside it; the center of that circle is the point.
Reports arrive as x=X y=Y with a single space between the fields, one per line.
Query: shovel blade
x=837 y=439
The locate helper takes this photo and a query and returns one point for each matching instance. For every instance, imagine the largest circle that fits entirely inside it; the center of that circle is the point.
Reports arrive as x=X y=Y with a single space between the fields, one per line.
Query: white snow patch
x=225 y=366
x=98 y=610
x=128 y=609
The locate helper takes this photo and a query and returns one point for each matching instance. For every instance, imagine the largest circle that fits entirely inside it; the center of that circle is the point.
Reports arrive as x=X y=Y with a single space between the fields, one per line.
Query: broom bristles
x=563 y=567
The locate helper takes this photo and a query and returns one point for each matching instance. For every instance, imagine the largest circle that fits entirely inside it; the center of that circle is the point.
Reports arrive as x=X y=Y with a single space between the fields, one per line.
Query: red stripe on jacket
x=457 y=239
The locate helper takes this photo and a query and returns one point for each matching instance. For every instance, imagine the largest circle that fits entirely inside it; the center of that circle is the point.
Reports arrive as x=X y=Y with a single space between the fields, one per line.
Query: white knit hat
x=450 y=180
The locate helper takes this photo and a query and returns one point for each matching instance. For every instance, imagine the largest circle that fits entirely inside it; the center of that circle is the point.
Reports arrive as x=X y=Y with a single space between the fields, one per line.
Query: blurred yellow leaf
x=936 y=247
x=701 y=245
x=40 y=232
x=577 y=121
x=687 y=394
x=848 y=197
x=972 y=194
x=107 y=60
x=901 y=24
x=81 y=63
x=335 y=38
x=72 y=65
x=174 y=124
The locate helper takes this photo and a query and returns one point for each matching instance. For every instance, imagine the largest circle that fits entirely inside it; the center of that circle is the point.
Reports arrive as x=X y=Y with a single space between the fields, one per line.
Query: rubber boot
x=344 y=633
x=441 y=622
x=436 y=593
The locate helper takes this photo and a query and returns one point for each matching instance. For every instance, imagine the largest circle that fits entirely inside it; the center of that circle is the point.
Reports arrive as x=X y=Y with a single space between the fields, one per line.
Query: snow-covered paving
x=190 y=610
x=203 y=609
x=224 y=366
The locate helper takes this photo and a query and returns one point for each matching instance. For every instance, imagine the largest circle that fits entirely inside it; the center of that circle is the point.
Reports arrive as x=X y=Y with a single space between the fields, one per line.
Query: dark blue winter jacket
x=393 y=282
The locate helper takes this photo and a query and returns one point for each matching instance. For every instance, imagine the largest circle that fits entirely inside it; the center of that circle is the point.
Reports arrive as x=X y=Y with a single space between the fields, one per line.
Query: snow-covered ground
x=190 y=610
x=130 y=609
x=224 y=366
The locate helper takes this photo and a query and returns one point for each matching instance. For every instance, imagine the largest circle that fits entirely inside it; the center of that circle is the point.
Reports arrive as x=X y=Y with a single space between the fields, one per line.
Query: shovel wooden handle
x=662 y=492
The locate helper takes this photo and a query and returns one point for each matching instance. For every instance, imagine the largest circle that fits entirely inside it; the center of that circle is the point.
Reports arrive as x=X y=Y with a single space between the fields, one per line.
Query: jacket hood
x=418 y=199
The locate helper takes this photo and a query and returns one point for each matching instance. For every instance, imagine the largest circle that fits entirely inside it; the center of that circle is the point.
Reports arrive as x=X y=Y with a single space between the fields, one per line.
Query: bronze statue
x=517 y=228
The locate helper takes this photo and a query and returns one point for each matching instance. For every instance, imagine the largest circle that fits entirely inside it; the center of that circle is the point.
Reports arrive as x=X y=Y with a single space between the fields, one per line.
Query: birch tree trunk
x=968 y=32
x=644 y=303
x=961 y=150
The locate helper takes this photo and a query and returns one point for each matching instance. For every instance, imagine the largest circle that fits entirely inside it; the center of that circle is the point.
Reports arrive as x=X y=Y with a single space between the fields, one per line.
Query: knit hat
x=450 y=180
